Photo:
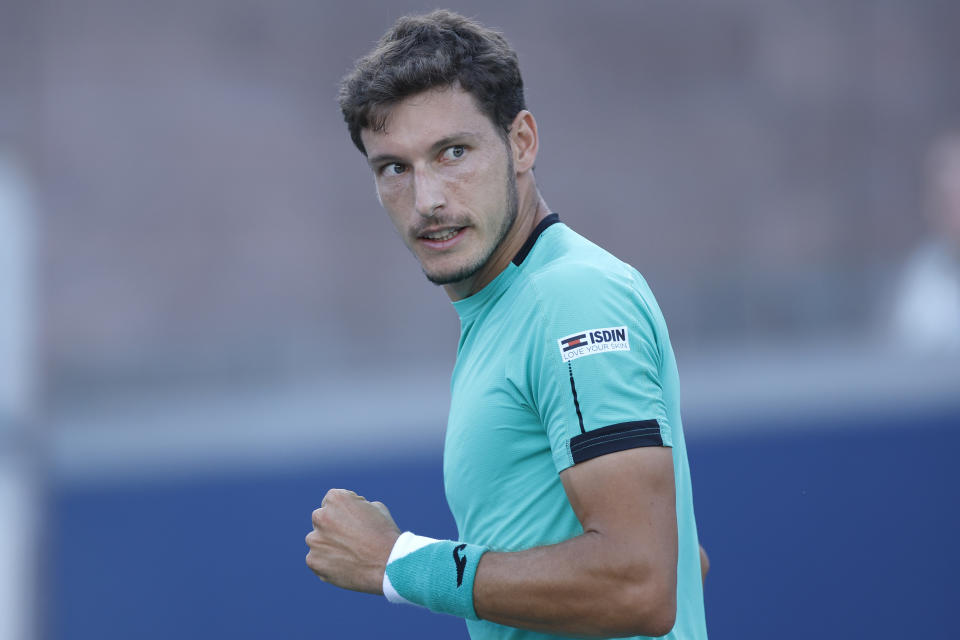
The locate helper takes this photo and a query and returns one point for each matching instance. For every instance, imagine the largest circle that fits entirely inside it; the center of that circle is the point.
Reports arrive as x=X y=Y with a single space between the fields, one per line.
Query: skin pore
x=462 y=198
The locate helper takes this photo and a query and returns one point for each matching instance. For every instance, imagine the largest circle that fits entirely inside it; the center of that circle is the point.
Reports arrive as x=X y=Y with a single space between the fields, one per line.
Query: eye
x=454 y=152
x=393 y=169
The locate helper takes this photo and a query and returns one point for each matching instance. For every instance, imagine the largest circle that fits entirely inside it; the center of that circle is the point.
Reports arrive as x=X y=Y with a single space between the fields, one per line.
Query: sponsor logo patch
x=594 y=341
x=461 y=562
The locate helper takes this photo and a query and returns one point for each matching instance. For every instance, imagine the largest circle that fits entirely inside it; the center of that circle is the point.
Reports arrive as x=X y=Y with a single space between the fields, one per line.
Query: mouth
x=441 y=238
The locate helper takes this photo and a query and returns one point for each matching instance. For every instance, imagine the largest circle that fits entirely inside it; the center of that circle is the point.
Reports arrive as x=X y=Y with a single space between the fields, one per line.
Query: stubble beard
x=512 y=206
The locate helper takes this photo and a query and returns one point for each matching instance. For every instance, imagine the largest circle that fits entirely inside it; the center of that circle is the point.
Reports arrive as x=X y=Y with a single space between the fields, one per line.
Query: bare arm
x=618 y=577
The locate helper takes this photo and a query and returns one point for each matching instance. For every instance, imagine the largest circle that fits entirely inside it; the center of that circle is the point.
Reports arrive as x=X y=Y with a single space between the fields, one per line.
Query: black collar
x=528 y=245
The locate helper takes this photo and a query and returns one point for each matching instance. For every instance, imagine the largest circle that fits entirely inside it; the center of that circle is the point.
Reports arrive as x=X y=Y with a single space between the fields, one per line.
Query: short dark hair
x=439 y=49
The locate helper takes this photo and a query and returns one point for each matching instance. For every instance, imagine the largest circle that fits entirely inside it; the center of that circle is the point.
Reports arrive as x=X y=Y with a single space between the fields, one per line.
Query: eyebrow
x=442 y=143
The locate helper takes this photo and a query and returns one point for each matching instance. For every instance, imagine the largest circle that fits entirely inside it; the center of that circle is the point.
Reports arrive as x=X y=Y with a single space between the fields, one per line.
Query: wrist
x=406 y=543
x=436 y=574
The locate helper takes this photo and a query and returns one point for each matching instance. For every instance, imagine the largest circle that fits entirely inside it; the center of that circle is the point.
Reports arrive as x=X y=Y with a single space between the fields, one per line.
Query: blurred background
x=206 y=320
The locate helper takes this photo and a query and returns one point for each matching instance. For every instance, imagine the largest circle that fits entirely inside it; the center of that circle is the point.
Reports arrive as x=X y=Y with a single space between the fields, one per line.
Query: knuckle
x=317 y=516
x=337 y=496
x=314 y=565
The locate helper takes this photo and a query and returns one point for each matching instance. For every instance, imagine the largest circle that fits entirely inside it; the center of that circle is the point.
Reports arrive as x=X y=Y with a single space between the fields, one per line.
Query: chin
x=445 y=278
x=452 y=275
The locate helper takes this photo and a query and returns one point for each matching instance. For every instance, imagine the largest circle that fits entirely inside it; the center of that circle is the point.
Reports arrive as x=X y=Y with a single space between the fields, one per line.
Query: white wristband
x=406 y=544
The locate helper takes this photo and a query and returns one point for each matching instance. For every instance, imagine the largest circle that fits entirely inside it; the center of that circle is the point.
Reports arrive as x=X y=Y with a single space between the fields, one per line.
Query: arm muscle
x=618 y=577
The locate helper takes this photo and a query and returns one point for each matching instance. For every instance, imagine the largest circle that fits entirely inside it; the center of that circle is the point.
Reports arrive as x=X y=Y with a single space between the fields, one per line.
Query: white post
x=18 y=459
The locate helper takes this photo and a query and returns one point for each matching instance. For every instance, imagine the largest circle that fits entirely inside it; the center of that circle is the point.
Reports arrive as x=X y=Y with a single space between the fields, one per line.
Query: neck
x=531 y=209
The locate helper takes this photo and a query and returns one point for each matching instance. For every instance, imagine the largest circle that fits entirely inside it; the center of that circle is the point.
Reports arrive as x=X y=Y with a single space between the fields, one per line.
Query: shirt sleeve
x=595 y=374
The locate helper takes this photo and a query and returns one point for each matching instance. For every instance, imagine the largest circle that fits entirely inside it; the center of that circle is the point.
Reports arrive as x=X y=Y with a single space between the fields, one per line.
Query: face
x=446 y=178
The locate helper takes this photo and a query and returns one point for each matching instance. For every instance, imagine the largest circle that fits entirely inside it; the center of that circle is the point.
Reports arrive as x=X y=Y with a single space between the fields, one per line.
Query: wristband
x=436 y=574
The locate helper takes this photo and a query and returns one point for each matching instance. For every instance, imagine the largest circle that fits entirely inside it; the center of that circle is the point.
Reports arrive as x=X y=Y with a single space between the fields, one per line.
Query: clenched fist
x=351 y=541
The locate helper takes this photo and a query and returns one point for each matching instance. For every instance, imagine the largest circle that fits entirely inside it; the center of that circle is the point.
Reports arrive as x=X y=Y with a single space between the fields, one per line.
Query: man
x=564 y=465
x=926 y=307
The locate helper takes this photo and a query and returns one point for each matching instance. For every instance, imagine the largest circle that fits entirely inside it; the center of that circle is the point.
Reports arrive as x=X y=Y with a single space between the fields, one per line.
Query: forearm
x=619 y=578
x=590 y=585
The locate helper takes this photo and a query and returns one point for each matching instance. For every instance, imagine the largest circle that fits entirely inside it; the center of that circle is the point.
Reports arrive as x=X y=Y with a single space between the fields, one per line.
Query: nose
x=428 y=192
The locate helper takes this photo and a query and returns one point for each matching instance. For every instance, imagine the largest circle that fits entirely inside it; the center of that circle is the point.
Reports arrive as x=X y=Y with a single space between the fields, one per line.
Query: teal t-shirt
x=563 y=357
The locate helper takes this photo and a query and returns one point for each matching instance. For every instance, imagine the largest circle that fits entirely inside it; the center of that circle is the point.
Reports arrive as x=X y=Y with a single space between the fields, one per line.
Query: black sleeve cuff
x=616 y=437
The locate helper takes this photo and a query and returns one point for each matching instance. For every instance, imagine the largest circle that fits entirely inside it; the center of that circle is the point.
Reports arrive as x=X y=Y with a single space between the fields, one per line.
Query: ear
x=524 y=141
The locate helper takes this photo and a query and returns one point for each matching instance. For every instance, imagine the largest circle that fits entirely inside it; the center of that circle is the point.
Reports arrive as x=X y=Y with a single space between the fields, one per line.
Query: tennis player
x=564 y=465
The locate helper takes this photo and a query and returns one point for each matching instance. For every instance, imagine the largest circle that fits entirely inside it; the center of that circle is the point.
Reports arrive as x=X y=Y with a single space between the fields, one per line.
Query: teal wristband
x=436 y=574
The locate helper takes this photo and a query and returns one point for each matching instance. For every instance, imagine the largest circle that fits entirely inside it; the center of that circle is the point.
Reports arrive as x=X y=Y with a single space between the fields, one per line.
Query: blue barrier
x=843 y=532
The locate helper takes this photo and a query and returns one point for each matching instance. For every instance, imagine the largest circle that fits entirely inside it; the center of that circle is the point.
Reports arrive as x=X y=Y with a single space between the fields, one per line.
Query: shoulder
x=576 y=287
x=573 y=272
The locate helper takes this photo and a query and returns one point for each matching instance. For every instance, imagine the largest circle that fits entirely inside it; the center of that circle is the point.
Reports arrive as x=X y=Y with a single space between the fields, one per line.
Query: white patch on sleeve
x=593 y=341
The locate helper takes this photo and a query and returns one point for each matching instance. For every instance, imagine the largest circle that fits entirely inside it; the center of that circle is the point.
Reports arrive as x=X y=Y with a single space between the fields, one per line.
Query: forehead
x=418 y=121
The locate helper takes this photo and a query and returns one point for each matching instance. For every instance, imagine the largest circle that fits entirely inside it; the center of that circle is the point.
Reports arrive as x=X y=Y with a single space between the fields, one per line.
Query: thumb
x=382 y=508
